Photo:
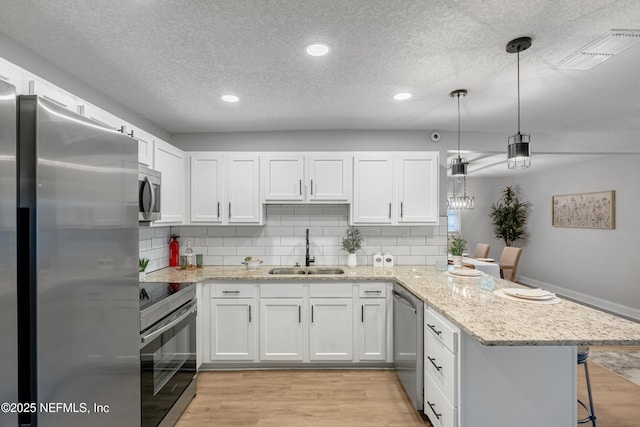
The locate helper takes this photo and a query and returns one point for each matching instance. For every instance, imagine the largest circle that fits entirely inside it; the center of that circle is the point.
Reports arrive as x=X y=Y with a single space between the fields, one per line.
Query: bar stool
x=583 y=355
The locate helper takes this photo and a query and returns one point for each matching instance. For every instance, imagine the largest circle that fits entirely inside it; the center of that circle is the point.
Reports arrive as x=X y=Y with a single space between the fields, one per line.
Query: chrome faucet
x=307 y=259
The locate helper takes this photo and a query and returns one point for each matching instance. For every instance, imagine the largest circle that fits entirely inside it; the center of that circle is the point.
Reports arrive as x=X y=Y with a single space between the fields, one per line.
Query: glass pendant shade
x=460 y=201
x=518 y=154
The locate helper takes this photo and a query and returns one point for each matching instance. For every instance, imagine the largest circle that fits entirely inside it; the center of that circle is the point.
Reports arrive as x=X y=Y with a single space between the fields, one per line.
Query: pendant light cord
x=518 y=91
x=459 y=159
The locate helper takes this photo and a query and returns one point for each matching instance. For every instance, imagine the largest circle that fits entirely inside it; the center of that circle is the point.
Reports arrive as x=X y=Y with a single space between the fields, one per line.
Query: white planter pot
x=142 y=276
x=352 y=261
x=457 y=260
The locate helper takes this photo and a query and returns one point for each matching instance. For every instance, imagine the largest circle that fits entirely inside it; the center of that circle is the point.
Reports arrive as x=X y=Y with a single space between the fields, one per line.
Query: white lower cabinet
x=276 y=323
x=372 y=322
x=281 y=329
x=441 y=369
x=232 y=319
x=331 y=329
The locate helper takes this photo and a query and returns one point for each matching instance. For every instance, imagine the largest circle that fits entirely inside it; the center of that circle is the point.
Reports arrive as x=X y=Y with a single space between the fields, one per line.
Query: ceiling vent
x=600 y=49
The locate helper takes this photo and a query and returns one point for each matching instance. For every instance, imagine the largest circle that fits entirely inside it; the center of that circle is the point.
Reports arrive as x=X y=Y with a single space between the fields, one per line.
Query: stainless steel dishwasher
x=408 y=342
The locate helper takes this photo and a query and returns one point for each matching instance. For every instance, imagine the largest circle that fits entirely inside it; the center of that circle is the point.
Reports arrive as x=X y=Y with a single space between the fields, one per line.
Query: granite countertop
x=490 y=319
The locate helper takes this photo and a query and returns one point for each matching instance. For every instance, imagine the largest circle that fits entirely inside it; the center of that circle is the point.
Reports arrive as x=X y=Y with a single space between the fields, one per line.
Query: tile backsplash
x=282 y=240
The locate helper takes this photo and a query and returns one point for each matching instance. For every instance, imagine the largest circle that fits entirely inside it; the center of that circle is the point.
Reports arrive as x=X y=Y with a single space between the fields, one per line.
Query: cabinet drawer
x=440 y=365
x=281 y=290
x=331 y=290
x=442 y=329
x=232 y=290
x=373 y=290
x=440 y=412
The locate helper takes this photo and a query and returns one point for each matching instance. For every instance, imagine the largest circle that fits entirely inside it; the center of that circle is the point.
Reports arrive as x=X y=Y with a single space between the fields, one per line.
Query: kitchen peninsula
x=515 y=363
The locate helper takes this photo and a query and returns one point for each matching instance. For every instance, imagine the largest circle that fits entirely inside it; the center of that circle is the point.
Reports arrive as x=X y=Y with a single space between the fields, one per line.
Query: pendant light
x=461 y=201
x=518 y=154
x=459 y=165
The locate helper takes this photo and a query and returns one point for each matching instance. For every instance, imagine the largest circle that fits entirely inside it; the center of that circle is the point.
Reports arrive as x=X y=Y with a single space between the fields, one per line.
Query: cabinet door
x=99 y=115
x=418 y=188
x=283 y=178
x=331 y=330
x=232 y=329
x=373 y=183
x=145 y=146
x=34 y=85
x=329 y=178
x=372 y=331
x=170 y=162
x=12 y=74
x=206 y=187
x=243 y=189
x=281 y=329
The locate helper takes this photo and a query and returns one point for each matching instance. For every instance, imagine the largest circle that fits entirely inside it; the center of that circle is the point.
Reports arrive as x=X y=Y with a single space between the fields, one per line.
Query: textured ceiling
x=171 y=60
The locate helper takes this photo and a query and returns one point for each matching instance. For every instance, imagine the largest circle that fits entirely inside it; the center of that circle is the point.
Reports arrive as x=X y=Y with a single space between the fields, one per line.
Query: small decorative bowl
x=252 y=265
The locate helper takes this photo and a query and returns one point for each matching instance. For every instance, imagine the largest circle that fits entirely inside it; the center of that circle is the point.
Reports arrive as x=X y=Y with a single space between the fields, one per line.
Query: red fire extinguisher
x=174 y=251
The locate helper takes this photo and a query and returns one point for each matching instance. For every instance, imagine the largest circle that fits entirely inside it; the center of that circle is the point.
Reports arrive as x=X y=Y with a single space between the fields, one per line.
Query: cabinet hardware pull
x=401 y=209
x=121 y=130
x=299 y=314
x=229 y=210
x=301 y=187
x=218 y=209
x=312 y=314
x=432 y=405
x=230 y=292
x=362 y=314
x=312 y=187
x=250 y=315
x=389 y=210
x=371 y=292
x=433 y=328
x=433 y=362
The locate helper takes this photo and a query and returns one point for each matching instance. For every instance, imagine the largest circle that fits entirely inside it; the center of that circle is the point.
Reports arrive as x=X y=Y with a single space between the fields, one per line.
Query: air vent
x=600 y=49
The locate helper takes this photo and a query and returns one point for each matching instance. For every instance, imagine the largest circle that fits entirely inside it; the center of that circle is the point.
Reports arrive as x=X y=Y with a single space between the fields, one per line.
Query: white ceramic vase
x=352 y=261
x=457 y=260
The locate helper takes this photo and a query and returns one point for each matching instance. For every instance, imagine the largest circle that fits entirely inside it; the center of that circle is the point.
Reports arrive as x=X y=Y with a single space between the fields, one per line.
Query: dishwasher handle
x=406 y=300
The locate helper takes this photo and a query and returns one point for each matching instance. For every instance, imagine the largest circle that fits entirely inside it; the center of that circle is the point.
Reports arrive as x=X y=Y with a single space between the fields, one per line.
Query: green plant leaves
x=509 y=217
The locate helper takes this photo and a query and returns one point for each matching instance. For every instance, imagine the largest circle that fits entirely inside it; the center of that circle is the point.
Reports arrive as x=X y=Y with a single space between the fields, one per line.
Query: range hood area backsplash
x=282 y=240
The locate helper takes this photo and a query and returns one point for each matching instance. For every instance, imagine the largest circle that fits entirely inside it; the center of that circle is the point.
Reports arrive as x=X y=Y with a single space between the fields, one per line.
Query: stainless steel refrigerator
x=75 y=246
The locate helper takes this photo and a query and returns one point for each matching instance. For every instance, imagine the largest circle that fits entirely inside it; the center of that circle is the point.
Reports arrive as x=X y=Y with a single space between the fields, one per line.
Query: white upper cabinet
x=34 y=85
x=101 y=116
x=145 y=146
x=11 y=74
x=170 y=161
x=418 y=187
x=206 y=187
x=329 y=177
x=243 y=189
x=307 y=178
x=283 y=178
x=373 y=184
x=225 y=188
x=395 y=188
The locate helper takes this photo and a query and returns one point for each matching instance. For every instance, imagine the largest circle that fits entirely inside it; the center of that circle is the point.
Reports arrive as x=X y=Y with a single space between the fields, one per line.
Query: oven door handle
x=190 y=309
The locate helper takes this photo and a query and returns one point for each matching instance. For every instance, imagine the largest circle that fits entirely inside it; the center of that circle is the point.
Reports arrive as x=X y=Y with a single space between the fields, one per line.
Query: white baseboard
x=613 y=307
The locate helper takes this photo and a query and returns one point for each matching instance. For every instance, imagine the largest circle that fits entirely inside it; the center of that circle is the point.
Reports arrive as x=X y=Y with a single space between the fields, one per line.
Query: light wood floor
x=320 y=398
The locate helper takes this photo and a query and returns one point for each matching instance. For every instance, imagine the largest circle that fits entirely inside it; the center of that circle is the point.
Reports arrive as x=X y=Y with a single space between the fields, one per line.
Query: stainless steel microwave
x=149 y=202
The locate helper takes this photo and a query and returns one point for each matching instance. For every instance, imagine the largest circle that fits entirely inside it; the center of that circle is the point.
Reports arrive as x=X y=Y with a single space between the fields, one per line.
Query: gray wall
x=595 y=266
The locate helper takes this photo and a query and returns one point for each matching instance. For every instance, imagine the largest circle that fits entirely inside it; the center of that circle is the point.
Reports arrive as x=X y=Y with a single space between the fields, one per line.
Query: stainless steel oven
x=149 y=185
x=167 y=351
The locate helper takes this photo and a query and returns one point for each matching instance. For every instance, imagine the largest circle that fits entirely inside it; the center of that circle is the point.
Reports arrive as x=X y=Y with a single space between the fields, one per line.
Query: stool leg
x=592 y=415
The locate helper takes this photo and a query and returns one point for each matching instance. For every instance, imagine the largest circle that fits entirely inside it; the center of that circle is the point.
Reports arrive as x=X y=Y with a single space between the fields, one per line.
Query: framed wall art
x=585 y=210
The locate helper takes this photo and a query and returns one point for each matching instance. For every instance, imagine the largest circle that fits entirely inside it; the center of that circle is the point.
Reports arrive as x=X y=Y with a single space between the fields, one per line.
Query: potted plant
x=142 y=266
x=252 y=263
x=509 y=217
x=351 y=242
x=457 y=247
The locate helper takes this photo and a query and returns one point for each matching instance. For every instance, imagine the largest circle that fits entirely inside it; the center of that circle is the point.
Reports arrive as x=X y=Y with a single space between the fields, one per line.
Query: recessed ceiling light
x=230 y=98
x=317 y=49
x=402 y=96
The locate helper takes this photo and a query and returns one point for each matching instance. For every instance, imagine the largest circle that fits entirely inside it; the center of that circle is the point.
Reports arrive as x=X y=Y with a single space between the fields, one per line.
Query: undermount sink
x=308 y=270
